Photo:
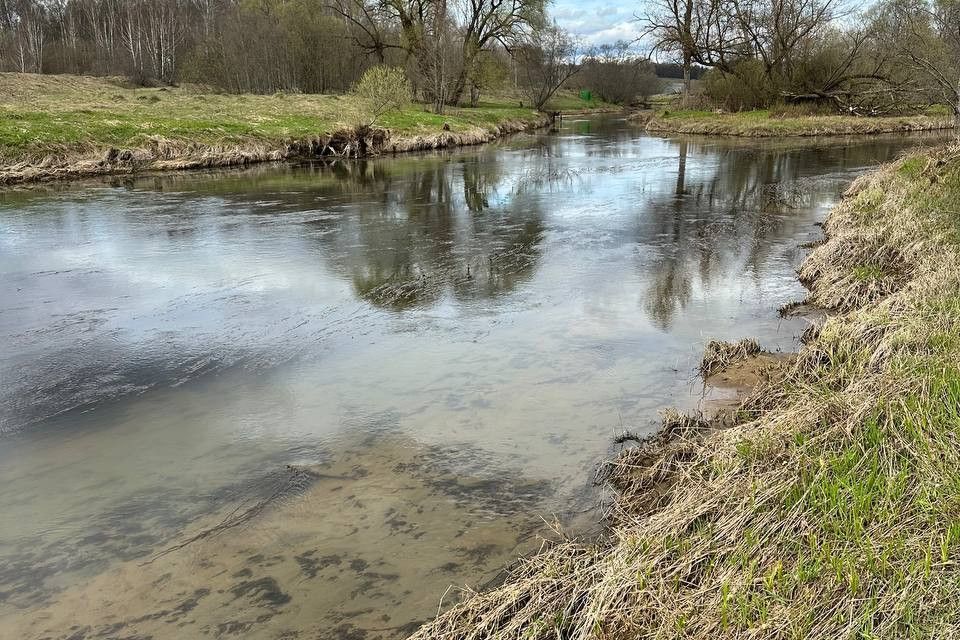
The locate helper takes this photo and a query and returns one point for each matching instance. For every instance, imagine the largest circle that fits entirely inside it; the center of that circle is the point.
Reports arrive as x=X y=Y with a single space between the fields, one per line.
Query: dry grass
x=720 y=354
x=831 y=509
x=761 y=124
x=65 y=126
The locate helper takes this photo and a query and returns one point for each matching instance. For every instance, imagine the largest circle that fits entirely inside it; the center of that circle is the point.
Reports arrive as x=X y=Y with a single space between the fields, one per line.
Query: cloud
x=596 y=22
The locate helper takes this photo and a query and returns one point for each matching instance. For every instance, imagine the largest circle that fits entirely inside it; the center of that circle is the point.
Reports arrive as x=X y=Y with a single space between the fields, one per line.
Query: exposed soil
x=745 y=375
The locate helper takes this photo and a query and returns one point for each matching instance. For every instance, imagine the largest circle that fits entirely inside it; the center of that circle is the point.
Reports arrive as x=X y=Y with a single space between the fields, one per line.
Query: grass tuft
x=720 y=354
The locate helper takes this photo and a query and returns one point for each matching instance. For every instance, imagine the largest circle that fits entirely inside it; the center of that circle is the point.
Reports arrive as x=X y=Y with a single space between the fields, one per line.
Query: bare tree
x=675 y=28
x=430 y=29
x=371 y=25
x=722 y=33
x=546 y=60
x=704 y=32
x=775 y=29
x=926 y=36
x=617 y=74
x=25 y=20
x=488 y=22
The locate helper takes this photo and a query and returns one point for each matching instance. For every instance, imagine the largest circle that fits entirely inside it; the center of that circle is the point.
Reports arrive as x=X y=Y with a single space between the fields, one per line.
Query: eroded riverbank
x=828 y=508
x=160 y=155
x=453 y=340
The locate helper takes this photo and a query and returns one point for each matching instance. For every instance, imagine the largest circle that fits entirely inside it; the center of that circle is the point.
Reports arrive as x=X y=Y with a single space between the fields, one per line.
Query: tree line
x=450 y=49
x=897 y=55
x=237 y=45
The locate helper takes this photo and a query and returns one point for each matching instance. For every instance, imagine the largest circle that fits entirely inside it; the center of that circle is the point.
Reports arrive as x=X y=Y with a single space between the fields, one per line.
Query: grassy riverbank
x=61 y=126
x=767 y=124
x=828 y=506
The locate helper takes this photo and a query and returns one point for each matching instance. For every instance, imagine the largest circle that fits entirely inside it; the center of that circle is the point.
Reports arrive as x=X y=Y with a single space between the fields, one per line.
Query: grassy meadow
x=41 y=115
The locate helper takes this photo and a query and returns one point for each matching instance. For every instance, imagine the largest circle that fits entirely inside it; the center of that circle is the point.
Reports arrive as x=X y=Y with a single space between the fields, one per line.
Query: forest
x=894 y=56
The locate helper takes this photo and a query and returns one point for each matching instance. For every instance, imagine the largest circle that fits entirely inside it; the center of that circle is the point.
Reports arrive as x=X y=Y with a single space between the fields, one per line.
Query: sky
x=606 y=21
x=598 y=21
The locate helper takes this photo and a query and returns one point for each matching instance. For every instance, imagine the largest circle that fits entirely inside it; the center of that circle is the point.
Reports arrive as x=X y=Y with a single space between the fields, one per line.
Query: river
x=315 y=401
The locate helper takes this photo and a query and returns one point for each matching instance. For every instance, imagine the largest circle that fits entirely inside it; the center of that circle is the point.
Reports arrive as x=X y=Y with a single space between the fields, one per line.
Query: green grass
x=831 y=507
x=764 y=123
x=53 y=114
x=571 y=101
x=868 y=272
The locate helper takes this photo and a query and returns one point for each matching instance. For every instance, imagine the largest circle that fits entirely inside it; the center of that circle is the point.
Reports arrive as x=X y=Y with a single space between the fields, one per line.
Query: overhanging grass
x=832 y=508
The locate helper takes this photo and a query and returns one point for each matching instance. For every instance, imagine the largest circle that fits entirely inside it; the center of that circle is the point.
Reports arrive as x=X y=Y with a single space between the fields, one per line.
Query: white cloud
x=595 y=22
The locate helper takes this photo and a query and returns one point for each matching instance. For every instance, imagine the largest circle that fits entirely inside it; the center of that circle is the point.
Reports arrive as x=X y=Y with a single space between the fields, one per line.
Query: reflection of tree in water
x=730 y=219
x=445 y=230
x=407 y=231
x=403 y=231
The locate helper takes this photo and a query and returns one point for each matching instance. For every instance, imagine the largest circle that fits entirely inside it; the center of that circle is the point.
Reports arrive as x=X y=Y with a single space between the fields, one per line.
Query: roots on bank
x=831 y=507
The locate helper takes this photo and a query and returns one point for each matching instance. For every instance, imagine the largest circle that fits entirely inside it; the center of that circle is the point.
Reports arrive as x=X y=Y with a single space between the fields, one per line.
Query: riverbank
x=762 y=124
x=55 y=127
x=828 y=507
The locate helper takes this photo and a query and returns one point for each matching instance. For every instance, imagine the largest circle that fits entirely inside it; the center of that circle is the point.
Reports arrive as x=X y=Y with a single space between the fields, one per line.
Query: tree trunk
x=688 y=50
x=458 y=88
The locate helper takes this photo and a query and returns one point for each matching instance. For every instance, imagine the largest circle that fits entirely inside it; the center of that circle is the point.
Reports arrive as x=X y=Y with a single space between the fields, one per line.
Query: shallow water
x=305 y=401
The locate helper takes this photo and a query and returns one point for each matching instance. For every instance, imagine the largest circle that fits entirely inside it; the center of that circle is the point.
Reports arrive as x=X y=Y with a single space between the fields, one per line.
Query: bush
x=620 y=81
x=938 y=110
x=747 y=88
x=381 y=90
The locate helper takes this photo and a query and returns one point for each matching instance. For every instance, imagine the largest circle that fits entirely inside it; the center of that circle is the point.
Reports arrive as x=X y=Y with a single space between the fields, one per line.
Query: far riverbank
x=65 y=127
x=764 y=124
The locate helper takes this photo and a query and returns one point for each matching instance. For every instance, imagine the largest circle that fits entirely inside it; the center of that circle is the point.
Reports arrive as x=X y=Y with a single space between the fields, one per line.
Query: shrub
x=381 y=90
x=747 y=88
x=938 y=110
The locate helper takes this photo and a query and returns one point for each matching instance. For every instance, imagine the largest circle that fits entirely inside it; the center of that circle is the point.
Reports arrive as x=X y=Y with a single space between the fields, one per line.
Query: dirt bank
x=828 y=507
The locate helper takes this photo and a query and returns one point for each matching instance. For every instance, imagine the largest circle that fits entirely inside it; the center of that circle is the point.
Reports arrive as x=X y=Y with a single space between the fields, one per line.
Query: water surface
x=304 y=401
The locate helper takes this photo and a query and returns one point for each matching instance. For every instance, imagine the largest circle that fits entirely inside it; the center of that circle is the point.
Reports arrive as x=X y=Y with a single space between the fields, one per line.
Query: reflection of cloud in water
x=729 y=213
x=476 y=325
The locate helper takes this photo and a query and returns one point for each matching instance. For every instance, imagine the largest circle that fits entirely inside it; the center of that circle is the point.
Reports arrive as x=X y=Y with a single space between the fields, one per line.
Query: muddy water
x=317 y=401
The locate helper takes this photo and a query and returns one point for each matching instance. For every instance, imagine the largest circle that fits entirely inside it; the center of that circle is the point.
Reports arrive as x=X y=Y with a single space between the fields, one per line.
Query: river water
x=316 y=401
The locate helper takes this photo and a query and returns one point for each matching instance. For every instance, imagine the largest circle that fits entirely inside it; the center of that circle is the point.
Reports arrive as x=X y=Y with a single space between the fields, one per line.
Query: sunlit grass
x=41 y=114
x=831 y=507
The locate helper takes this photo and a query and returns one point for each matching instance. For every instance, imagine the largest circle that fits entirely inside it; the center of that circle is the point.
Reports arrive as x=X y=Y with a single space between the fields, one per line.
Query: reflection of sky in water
x=508 y=308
